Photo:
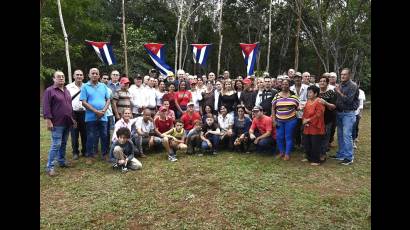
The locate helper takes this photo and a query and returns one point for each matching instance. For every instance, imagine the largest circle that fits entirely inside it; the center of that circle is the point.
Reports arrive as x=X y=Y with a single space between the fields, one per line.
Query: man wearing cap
x=347 y=102
x=261 y=130
x=114 y=84
x=121 y=99
x=78 y=114
x=189 y=117
x=57 y=111
x=299 y=90
x=96 y=99
x=137 y=96
x=248 y=96
x=153 y=73
x=162 y=122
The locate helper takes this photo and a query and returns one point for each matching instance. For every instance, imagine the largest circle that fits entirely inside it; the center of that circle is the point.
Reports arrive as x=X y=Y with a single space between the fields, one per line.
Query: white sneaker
x=354 y=145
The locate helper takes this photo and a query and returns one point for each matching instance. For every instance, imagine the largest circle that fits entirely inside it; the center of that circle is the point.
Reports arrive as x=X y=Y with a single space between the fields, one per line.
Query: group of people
x=201 y=114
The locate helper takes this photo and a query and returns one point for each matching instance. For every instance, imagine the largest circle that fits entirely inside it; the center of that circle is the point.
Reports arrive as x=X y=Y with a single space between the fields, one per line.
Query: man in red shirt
x=189 y=117
x=163 y=123
x=261 y=131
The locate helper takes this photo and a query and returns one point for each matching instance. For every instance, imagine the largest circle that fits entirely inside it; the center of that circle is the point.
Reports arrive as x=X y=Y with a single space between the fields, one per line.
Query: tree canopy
x=334 y=34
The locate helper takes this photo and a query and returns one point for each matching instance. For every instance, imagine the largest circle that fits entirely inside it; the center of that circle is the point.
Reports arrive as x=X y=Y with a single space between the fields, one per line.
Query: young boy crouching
x=123 y=151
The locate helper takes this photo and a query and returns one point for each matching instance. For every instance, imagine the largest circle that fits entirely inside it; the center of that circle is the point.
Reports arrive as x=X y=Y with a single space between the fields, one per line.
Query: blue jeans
x=345 y=122
x=59 y=136
x=265 y=144
x=284 y=135
x=96 y=130
x=214 y=139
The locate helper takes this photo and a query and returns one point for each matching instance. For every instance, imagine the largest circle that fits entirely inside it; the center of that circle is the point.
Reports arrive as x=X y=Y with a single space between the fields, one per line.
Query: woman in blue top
x=240 y=130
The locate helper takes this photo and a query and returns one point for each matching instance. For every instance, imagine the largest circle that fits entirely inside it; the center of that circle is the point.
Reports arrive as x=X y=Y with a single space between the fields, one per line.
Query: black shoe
x=335 y=158
x=65 y=166
x=346 y=162
x=115 y=166
x=75 y=157
x=124 y=169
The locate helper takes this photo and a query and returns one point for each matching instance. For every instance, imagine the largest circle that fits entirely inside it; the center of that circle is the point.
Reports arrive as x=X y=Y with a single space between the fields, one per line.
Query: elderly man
x=57 y=109
x=332 y=80
x=150 y=96
x=211 y=77
x=291 y=74
x=347 y=102
x=78 y=113
x=226 y=75
x=96 y=99
x=143 y=132
x=114 y=84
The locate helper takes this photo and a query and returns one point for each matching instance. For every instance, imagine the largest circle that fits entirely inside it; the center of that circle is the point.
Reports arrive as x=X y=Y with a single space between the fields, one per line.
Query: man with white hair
x=332 y=80
x=150 y=96
x=114 y=84
x=211 y=77
x=146 y=80
x=291 y=74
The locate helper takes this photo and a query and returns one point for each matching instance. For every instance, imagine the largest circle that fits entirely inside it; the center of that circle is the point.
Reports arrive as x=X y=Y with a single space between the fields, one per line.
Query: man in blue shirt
x=96 y=99
x=347 y=101
x=114 y=84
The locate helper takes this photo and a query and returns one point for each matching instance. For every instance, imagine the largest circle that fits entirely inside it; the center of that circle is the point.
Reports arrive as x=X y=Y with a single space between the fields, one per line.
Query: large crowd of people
x=122 y=121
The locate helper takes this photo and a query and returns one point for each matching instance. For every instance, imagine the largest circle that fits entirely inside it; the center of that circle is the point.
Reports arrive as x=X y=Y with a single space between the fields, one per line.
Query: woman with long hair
x=170 y=96
x=228 y=97
x=182 y=97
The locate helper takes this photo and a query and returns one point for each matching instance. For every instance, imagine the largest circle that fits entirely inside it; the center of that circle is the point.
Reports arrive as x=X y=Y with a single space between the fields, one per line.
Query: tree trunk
x=125 y=38
x=177 y=34
x=269 y=35
x=299 y=8
x=220 y=39
x=181 y=40
x=186 y=50
x=67 y=53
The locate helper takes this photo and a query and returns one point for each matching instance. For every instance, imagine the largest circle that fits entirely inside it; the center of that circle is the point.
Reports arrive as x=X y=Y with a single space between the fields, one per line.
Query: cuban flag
x=104 y=51
x=156 y=52
x=250 y=53
x=200 y=53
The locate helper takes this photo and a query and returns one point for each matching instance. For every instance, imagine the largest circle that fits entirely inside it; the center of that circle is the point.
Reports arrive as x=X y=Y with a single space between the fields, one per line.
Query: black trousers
x=297 y=135
x=79 y=117
x=313 y=147
x=332 y=132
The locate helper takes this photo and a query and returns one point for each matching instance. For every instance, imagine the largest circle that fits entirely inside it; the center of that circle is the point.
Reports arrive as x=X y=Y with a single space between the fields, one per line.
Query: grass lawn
x=228 y=191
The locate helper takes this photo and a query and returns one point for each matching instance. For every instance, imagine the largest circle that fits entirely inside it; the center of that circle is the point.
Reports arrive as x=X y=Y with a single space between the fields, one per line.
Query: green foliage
x=346 y=24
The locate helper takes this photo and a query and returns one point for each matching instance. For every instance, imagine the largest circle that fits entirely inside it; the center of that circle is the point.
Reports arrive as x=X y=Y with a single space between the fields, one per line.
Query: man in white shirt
x=138 y=98
x=78 y=114
x=358 y=113
x=150 y=96
x=332 y=80
x=143 y=133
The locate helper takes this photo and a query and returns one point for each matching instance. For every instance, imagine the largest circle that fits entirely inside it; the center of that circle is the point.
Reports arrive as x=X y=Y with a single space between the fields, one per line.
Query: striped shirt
x=285 y=107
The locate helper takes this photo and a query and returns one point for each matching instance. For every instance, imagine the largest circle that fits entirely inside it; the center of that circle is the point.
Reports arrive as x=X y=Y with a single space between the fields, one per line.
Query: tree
x=67 y=51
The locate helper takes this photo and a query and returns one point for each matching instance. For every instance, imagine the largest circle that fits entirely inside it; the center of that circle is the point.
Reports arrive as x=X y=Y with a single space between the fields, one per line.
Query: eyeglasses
x=115 y=74
x=104 y=78
x=79 y=74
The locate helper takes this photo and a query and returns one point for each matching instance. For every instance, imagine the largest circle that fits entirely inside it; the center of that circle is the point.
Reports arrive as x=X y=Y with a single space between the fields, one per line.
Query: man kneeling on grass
x=174 y=140
x=123 y=151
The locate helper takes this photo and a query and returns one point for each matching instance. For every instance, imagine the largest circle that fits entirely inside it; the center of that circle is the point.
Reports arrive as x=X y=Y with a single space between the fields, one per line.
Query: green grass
x=228 y=191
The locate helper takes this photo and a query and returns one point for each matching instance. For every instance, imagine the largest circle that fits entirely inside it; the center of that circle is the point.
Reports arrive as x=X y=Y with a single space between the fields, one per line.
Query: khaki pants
x=133 y=164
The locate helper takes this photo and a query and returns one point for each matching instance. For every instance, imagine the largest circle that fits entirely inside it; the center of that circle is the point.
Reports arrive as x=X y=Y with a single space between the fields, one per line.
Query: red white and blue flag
x=156 y=52
x=104 y=51
x=200 y=53
x=250 y=53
